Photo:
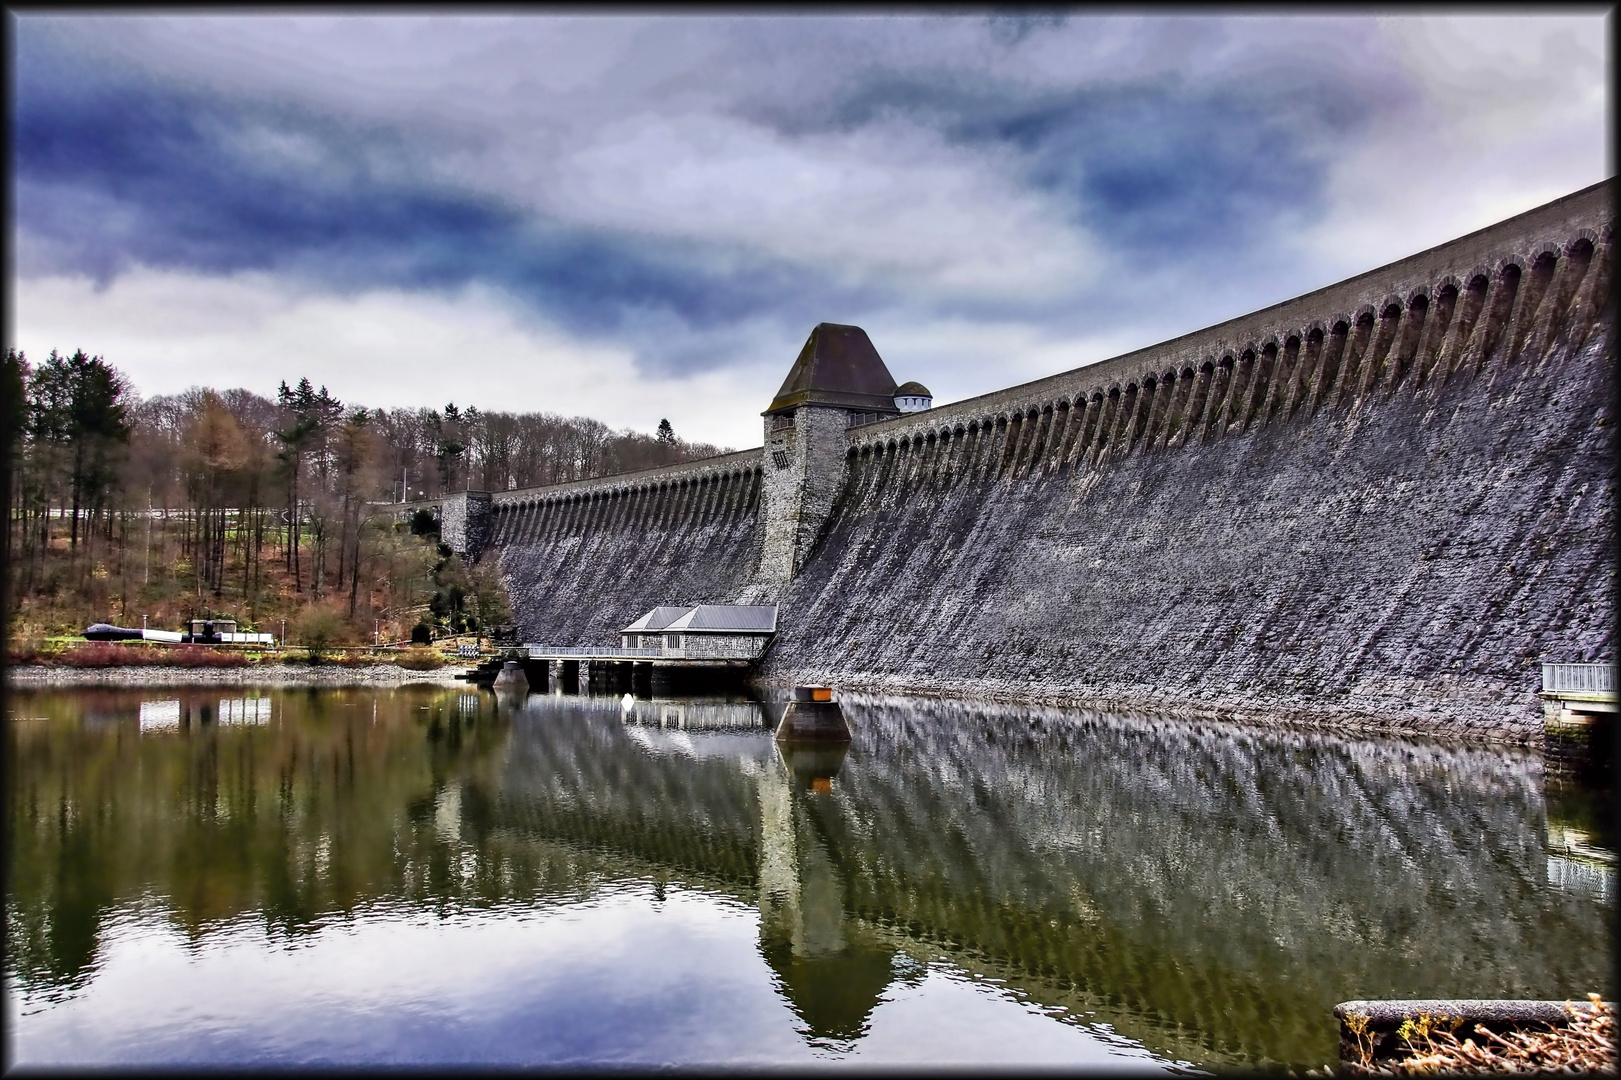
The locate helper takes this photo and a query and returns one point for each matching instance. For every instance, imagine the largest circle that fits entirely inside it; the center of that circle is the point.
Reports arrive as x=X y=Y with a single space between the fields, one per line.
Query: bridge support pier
x=1580 y=745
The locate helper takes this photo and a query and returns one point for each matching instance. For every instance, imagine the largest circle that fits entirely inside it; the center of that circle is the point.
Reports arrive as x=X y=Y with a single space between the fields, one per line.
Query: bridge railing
x=699 y=652
x=594 y=654
x=1578 y=678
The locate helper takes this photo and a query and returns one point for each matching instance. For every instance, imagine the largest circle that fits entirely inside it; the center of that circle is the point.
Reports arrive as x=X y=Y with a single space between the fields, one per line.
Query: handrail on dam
x=1578 y=678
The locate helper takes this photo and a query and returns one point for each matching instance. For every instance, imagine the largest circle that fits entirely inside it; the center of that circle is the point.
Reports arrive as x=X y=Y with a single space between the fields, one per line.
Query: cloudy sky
x=636 y=217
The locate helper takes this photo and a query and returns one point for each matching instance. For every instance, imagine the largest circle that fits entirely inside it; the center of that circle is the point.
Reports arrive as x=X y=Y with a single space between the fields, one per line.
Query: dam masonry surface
x=1378 y=505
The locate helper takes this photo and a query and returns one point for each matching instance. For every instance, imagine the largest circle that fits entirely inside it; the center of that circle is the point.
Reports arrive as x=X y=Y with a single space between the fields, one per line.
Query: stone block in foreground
x=1368 y=1029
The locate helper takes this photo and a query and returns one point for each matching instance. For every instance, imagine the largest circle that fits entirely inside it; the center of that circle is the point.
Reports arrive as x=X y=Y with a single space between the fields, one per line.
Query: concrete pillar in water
x=511 y=679
x=813 y=717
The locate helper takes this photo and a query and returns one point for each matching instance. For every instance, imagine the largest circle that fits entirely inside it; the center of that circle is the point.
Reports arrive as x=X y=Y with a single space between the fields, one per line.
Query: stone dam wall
x=1379 y=505
x=1384 y=502
x=582 y=560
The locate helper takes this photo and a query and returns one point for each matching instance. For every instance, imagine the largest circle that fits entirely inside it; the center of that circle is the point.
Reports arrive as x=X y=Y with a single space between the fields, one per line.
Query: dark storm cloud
x=1160 y=167
x=698 y=192
x=113 y=172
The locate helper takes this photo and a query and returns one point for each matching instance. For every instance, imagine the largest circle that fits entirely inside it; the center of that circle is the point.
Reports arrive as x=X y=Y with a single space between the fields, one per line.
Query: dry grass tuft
x=420 y=659
x=1431 y=1046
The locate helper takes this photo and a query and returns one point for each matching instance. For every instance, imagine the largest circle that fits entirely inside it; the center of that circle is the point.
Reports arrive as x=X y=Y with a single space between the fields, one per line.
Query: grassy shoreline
x=27 y=676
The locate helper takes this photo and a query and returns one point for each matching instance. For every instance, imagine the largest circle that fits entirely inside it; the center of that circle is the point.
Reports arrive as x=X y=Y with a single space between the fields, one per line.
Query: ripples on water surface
x=424 y=875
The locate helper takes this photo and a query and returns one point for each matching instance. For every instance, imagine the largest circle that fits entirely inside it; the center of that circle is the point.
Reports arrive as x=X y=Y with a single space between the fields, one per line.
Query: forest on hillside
x=226 y=503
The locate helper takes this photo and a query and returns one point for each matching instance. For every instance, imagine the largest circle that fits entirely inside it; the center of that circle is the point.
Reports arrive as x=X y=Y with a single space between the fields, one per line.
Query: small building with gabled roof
x=730 y=631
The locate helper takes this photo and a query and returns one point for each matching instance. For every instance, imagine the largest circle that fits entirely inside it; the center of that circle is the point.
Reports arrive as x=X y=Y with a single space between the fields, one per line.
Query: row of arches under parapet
x=709 y=497
x=1508 y=314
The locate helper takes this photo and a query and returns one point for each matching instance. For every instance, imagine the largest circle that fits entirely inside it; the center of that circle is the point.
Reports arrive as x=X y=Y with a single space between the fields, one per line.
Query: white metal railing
x=1578 y=678
x=748 y=652
x=536 y=651
x=585 y=652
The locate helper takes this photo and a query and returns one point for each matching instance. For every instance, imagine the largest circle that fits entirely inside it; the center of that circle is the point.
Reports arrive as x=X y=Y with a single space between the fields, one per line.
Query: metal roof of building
x=657 y=619
x=729 y=619
x=838 y=366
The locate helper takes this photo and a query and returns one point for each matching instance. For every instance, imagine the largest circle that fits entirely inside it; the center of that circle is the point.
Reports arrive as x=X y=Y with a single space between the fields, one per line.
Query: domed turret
x=913 y=397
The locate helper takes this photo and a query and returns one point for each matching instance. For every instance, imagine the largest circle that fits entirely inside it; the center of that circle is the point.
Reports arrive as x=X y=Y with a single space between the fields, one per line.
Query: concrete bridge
x=1384 y=503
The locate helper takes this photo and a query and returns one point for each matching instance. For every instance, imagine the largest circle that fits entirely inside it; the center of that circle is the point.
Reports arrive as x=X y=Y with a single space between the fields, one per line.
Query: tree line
x=227 y=502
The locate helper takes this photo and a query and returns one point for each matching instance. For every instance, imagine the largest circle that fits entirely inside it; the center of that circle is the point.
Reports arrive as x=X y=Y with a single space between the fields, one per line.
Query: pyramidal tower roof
x=838 y=366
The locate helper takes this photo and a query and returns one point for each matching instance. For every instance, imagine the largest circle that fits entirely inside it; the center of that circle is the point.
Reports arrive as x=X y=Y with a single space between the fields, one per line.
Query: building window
x=780 y=457
x=672 y=641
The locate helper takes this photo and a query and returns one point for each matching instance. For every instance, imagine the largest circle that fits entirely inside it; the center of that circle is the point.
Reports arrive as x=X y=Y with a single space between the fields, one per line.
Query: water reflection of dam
x=1212 y=891
x=1208 y=890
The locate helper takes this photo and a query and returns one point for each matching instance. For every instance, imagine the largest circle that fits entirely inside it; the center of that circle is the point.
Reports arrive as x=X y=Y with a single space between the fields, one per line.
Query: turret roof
x=838 y=366
x=912 y=389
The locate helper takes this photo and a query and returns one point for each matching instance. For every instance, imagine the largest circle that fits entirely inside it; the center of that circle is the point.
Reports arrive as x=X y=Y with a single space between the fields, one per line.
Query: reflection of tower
x=831 y=975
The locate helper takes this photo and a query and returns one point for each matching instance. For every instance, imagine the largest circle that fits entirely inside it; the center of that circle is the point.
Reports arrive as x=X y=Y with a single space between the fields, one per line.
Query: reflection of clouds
x=615 y=979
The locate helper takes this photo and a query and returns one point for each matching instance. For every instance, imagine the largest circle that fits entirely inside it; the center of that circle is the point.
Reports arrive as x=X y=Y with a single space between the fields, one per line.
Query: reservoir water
x=430 y=875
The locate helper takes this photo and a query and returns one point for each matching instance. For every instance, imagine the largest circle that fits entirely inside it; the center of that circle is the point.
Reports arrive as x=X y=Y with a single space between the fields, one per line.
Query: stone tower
x=838 y=375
